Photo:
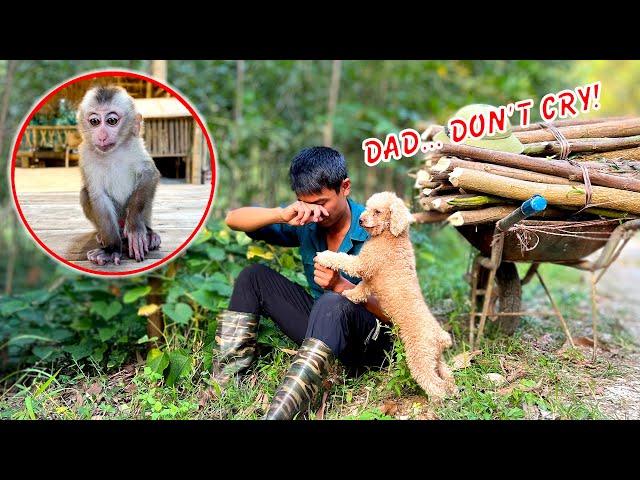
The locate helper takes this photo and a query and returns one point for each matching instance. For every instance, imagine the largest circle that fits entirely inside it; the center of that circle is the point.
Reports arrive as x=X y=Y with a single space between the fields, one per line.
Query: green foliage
x=90 y=321
x=81 y=326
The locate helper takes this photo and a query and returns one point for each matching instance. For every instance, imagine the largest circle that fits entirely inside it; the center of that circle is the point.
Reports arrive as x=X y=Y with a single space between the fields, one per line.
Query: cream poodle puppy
x=386 y=264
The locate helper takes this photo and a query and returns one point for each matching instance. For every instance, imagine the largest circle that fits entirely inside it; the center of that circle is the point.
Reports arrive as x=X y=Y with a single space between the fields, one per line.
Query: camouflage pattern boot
x=302 y=381
x=236 y=335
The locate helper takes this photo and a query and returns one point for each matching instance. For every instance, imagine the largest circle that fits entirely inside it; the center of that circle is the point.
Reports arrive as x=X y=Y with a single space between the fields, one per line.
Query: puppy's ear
x=400 y=217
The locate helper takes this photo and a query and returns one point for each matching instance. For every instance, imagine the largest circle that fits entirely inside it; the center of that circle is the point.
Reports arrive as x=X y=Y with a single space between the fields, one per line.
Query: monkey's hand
x=102 y=256
x=138 y=240
x=154 y=239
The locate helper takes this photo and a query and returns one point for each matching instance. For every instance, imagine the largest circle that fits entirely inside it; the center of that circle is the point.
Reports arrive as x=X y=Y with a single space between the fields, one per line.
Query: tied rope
x=565 y=150
x=528 y=235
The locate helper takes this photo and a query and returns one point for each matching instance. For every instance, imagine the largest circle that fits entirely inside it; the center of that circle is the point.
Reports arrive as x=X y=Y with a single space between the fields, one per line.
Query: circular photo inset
x=113 y=173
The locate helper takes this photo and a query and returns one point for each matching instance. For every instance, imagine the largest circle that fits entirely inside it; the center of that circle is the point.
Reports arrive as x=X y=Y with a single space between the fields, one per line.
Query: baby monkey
x=119 y=177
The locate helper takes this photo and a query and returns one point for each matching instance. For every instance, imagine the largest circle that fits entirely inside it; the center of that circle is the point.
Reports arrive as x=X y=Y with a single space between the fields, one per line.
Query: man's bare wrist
x=278 y=211
x=342 y=285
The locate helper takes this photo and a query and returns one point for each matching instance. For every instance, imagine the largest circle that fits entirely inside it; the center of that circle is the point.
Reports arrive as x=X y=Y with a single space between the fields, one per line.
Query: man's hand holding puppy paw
x=326 y=259
x=328 y=279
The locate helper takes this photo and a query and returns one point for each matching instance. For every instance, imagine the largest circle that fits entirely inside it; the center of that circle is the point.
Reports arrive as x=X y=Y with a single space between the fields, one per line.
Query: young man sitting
x=325 y=324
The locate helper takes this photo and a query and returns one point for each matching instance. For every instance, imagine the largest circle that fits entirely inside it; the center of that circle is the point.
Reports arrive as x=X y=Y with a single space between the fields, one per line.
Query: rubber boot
x=302 y=381
x=236 y=335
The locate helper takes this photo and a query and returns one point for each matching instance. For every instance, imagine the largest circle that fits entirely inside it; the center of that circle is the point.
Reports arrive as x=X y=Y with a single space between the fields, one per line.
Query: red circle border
x=114 y=73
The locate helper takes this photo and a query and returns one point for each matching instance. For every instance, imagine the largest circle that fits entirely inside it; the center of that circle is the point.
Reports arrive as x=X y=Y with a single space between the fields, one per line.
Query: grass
x=512 y=378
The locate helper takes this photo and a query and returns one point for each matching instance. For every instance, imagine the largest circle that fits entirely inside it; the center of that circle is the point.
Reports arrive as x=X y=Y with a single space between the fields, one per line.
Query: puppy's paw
x=326 y=259
x=354 y=296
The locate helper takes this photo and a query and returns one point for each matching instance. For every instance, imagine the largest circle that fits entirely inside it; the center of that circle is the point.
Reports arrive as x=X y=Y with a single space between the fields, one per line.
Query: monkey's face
x=106 y=123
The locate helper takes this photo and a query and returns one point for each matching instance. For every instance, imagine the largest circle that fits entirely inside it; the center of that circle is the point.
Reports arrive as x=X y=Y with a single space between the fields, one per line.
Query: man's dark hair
x=315 y=168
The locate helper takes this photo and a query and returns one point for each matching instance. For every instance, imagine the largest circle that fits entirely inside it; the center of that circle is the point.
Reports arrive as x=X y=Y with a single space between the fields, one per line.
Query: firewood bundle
x=599 y=175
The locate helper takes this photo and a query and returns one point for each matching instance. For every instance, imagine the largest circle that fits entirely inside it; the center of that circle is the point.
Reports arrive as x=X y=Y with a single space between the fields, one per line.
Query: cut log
x=626 y=154
x=601 y=212
x=564 y=195
x=438 y=176
x=452 y=203
x=568 y=122
x=558 y=168
x=444 y=188
x=430 y=131
x=422 y=180
x=618 y=128
x=430 y=217
x=425 y=203
x=583 y=145
x=448 y=164
x=494 y=214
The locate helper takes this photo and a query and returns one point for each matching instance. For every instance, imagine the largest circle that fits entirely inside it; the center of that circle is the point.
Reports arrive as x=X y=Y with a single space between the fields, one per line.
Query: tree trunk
x=13 y=250
x=334 y=90
x=236 y=172
x=155 y=324
x=159 y=70
x=559 y=168
x=563 y=195
x=6 y=97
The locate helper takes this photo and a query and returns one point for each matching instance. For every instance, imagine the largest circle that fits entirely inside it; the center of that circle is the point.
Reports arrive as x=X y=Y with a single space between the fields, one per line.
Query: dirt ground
x=619 y=297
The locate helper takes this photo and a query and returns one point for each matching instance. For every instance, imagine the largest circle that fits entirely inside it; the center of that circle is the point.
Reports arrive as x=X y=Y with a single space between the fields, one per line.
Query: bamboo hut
x=171 y=134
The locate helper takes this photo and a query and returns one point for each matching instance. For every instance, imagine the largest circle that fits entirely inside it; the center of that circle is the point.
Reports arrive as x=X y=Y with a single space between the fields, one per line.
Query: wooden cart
x=495 y=284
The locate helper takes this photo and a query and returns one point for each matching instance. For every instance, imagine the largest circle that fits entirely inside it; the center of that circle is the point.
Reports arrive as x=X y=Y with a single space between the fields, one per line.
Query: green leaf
x=204 y=298
x=157 y=360
x=215 y=253
x=180 y=366
x=257 y=251
x=243 y=239
x=136 y=293
x=37 y=297
x=107 y=333
x=81 y=323
x=105 y=310
x=222 y=236
x=61 y=334
x=203 y=236
x=196 y=263
x=46 y=384
x=28 y=403
x=223 y=289
x=175 y=292
x=79 y=351
x=145 y=339
x=43 y=351
x=116 y=358
x=98 y=352
x=178 y=312
x=11 y=306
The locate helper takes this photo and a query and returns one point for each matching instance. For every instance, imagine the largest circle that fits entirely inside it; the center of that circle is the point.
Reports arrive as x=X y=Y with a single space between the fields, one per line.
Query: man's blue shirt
x=311 y=239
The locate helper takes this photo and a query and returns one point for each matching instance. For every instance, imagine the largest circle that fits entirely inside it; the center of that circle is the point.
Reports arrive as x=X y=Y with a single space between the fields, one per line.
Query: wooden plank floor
x=49 y=199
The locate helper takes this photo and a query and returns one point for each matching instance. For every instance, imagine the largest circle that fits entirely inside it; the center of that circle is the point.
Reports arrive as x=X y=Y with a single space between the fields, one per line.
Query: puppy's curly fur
x=386 y=265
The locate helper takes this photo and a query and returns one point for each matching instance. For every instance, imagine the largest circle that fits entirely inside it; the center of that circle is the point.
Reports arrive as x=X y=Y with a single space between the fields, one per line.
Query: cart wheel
x=507 y=296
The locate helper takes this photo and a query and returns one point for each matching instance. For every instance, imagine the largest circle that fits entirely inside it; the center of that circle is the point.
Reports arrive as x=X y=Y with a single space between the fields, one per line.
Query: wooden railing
x=56 y=137
x=163 y=137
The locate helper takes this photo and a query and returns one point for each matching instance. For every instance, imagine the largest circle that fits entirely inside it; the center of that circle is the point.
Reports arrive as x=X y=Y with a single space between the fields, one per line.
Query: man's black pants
x=348 y=329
